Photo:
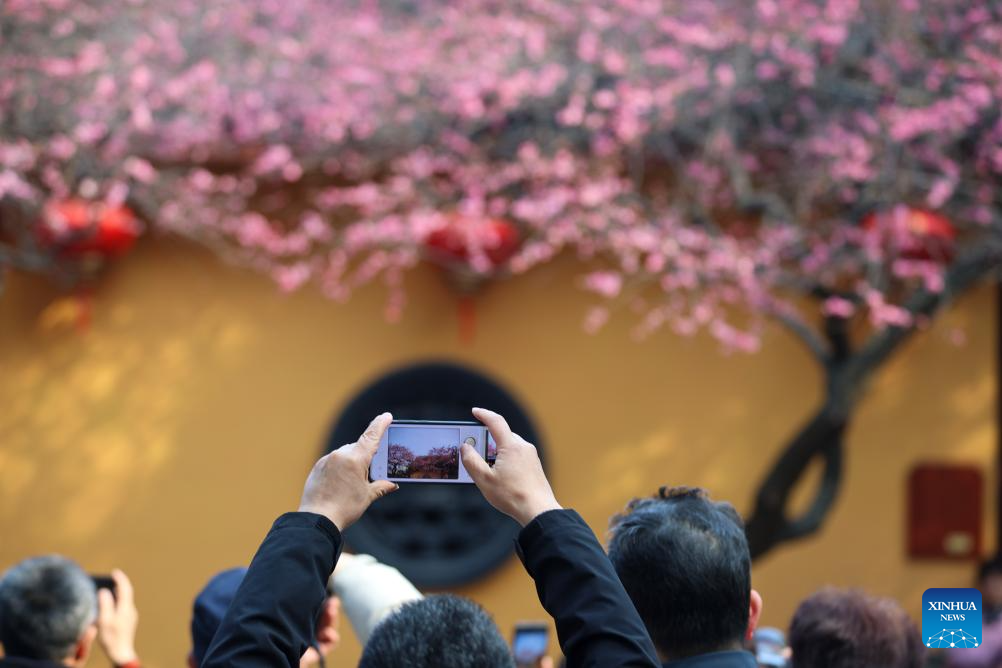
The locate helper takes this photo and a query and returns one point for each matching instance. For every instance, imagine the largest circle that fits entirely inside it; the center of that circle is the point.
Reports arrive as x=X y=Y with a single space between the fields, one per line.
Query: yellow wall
x=166 y=438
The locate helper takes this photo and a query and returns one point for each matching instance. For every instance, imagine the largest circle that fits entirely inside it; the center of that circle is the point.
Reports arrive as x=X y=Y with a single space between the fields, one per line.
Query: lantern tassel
x=467 y=316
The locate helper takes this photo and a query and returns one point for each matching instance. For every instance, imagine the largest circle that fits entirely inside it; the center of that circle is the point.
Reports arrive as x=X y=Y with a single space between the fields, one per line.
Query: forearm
x=597 y=624
x=273 y=615
x=369 y=591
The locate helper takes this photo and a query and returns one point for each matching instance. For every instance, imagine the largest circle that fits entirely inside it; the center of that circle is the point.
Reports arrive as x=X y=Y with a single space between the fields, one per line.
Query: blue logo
x=951 y=618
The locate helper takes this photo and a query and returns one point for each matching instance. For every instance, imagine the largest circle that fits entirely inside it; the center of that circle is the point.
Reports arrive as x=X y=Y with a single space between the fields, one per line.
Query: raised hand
x=117 y=619
x=516 y=484
x=338 y=487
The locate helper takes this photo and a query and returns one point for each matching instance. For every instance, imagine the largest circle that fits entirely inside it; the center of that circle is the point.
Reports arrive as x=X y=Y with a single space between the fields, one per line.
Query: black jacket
x=596 y=622
x=18 y=662
x=273 y=616
x=734 y=659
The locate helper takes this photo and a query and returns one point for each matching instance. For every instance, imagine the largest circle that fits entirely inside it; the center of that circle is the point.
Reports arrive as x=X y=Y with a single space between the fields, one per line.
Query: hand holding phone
x=339 y=487
x=516 y=484
x=117 y=617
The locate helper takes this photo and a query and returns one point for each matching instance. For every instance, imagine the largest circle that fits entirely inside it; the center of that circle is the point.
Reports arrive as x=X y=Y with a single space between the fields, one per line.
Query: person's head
x=48 y=607
x=441 y=631
x=684 y=561
x=990 y=584
x=846 y=628
x=209 y=609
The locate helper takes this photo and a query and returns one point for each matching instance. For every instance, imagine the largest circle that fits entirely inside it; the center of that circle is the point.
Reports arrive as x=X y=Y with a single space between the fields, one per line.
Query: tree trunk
x=847 y=370
x=821 y=437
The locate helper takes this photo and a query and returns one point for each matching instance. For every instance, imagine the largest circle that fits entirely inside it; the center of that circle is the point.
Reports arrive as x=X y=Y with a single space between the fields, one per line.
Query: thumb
x=380 y=488
x=105 y=606
x=475 y=465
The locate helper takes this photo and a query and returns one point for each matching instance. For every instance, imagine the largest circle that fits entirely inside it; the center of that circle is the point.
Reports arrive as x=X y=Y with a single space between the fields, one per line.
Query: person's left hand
x=328 y=637
x=117 y=620
x=338 y=487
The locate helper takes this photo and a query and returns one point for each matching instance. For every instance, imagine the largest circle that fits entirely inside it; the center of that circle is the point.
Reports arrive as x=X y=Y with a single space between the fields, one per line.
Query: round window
x=437 y=535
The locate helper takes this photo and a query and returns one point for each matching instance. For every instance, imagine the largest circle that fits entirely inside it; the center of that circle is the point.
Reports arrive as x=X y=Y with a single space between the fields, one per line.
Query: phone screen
x=412 y=451
x=492 y=450
x=529 y=644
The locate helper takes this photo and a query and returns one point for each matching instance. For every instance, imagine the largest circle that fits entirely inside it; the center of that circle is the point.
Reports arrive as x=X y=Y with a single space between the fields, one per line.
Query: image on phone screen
x=529 y=644
x=412 y=451
x=492 y=450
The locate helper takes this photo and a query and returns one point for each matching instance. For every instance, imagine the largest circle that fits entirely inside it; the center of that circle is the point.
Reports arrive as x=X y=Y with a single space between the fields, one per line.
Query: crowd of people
x=672 y=590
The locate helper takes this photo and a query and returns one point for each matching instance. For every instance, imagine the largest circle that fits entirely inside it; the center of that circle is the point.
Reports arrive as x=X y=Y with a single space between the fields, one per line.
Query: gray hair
x=46 y=604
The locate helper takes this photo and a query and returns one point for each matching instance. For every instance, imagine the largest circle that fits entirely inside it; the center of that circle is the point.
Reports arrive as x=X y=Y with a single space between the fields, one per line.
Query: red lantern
x=454 y=243
x=77 y=227
x=456 y=240
x=921 y=234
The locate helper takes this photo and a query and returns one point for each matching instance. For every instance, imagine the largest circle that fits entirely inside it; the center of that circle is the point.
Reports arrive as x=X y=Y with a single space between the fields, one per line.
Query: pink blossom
x=838 y=307
x=139 y=169
x=274 y=158
x=596 y=319
x=605 y=283
x=628 y=134
x=291 y=277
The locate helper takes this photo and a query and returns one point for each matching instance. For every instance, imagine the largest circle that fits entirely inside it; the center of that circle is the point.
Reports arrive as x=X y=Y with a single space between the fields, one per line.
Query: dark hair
x=46 y=603
x=684 y=561
x=991 y=566
x=846 y=628
x=442 y=631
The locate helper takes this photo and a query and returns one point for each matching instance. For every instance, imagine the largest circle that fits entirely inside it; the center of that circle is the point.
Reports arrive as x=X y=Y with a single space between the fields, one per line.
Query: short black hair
x=684 y=561
x=847 y=628
x=441 y=631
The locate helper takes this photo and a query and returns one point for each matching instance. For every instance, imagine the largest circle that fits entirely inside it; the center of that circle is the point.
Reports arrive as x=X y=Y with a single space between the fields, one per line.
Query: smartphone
x=529 y=643
x=104 y=582
x=426 y=451
x=770 y=647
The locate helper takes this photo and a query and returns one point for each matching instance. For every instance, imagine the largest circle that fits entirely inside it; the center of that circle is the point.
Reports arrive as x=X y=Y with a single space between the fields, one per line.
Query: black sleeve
x=597 y=624
x=272 y=618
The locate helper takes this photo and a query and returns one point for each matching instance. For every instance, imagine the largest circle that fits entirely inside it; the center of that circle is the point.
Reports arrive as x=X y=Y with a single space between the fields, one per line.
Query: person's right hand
x=338 y=487
x=117 y=619
x=516 y=484
x=328 y=636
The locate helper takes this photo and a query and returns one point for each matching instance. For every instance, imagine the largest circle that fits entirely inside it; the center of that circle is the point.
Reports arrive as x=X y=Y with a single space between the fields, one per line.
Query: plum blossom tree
x=399 y=459
x=831 y=165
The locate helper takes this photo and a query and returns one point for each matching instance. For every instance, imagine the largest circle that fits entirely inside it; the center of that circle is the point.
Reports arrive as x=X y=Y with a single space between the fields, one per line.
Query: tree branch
x=972 y=266
x=794 y=324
